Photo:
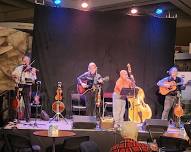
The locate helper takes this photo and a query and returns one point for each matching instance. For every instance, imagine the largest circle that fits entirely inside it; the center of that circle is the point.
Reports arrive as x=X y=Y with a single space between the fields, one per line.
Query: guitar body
x=15 y=104
x=164 y=90
x=21 y=114
x=90 y=84
x=21 y=109
x=80 y=89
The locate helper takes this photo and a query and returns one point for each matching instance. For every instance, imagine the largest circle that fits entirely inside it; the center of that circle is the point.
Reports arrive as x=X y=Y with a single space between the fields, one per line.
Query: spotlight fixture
x=84 y=4
x=159 y=11
x=134 y=11
x=40 y=2
x=57 y=2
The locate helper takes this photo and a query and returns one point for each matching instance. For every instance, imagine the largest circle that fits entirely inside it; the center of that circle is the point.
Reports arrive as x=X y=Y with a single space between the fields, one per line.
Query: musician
x=119 y=101
x=24 y=75
x=171 y=97
x=87 y=80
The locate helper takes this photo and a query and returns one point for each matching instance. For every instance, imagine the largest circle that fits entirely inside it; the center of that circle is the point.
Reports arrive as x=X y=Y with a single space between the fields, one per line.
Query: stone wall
x=13 y=45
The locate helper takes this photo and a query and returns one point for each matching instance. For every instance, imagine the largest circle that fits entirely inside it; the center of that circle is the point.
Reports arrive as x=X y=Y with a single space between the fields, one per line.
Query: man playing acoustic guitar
x=169 y=86
x=86 y=82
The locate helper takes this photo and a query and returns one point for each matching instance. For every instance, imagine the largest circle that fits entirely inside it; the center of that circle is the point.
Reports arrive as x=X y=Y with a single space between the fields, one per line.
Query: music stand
x=129 y=93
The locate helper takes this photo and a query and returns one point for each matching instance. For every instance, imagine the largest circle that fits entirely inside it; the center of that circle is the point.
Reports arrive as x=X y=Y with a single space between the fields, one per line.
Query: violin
x=29 y=68
x=58 y=106
x=59 y=94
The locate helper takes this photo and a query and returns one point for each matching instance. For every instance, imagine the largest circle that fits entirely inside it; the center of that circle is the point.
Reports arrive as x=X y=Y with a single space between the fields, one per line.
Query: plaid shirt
x=130 y=145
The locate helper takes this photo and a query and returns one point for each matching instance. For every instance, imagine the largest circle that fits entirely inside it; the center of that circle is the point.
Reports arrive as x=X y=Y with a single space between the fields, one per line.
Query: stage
x=105 y=138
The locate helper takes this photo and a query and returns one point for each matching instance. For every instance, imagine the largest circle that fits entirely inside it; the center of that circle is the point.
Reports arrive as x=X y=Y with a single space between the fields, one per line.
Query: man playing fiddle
x=24 y=76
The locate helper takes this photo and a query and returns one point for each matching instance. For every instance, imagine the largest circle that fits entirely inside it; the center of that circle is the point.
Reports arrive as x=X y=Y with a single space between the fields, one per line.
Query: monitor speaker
x=84 y=122
x=155 y=125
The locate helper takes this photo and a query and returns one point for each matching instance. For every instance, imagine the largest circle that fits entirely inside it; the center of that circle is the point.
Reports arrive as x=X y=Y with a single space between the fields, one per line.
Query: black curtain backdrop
x=66 y=40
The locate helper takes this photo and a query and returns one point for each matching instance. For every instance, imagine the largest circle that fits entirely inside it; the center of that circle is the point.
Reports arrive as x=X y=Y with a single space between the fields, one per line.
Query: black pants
x=26 y=93
x=89 y=99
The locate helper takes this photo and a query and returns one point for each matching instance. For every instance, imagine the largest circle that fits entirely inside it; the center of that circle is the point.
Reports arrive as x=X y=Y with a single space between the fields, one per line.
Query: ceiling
x=23 y=10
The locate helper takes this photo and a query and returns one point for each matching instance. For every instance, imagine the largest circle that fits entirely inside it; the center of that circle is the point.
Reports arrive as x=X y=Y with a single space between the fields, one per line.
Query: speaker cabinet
x=155 y=125
x=84 y=122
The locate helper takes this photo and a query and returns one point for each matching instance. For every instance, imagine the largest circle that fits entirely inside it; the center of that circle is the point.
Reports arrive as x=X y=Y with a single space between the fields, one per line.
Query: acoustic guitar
x=173 y=86
x=90 y=84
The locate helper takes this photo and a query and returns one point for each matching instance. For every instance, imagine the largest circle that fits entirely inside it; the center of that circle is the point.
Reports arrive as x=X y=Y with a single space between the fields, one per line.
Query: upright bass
x=139 y=110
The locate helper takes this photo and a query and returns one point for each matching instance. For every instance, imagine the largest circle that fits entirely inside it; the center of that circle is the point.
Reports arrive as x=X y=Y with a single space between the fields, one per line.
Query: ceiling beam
x=6 y=8
x=17 y=25
x=18 y=15
x=181 y=5
x=16 y=3
x=125 y=4
x=105 y=4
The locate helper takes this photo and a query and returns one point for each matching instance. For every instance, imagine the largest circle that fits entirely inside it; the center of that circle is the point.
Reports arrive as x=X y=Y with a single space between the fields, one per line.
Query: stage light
x=57 y=2
x=134 y=11
x=158 y=11
x=84 y=4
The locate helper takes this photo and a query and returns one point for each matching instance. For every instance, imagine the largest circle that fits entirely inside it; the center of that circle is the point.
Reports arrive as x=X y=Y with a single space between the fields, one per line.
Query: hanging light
x=134 y=11
x=84 y=4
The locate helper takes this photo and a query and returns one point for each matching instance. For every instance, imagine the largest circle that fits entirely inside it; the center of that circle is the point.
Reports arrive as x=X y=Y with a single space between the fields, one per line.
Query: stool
x=76 y=97
x=106 y=95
